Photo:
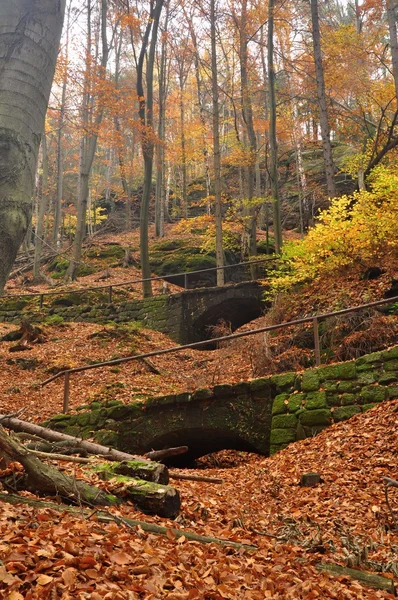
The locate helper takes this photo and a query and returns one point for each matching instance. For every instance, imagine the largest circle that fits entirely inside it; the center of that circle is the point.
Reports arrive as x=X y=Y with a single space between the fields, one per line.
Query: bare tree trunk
x=43 y=203
x=60 y=137
x=247 y=112
x=89 y=150
x=30 y=33
x=216 y=148
x=146 y=121
x=160 y=154
x=272 y=132
x=392 y=15
x=323 y=111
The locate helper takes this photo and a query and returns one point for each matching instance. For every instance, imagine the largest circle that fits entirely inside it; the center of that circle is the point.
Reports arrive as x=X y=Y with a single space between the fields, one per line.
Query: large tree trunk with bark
x=30 y=31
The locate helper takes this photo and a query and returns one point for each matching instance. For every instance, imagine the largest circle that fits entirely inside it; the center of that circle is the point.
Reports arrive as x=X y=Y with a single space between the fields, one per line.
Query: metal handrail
x=314 y=319
x=184 y=274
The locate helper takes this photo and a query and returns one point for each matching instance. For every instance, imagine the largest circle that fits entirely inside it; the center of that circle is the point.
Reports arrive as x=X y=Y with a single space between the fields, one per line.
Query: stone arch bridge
x=186 y=316
x=262 y=415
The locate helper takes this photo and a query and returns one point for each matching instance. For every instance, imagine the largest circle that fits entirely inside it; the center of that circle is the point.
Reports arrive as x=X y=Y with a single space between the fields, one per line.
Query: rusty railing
x=315 y=320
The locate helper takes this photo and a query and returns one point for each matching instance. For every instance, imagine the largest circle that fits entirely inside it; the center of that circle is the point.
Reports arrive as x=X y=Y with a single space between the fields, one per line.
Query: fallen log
x=150 y=471
x=107 y=517
x=162 y=500
x=187 y=477
x=44 y=479
x=372 y=580
x=60 y=457
x=166 y=453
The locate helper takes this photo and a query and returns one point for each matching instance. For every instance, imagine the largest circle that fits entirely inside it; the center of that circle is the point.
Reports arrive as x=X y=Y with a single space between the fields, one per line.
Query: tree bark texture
x=30 y=31
x=392 y=16
x=216 y=149
x=323 y=111
x=272 y=132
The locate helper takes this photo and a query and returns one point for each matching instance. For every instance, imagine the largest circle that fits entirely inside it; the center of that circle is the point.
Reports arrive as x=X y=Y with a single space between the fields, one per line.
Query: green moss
x=372 y=393
x=53 y=320
x=388 y=378
x=367 y=378
x=241 y=389
x=284 y=422
x=295 y=402
x=183 y=398
x=259 y=385
x=333 y=399
x=112 y=251
x=83 y=419
x=348 y=386
x=107 y=438
x=282 y=436
x=310 y=381
x=391 y=365
x=347 y=399
x=279 y=406
x=284 y=382
x=390 y=354
x=168 y=245
x=331 y=386
x=345 y=412
x=375 y=357
x=202 y=394
x=392 y=391
x=340 y=371
x=366 y=407
x=321 y=416
x=315 y=400
x=123 y=411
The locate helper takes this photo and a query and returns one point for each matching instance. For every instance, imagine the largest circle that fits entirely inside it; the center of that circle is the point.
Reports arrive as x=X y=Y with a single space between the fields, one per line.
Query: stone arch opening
x=200 y=441
x=234 y=311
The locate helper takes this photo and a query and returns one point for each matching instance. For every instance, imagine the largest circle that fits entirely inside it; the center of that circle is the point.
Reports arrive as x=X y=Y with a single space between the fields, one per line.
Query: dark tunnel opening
x=225 y=318
x=200 y=442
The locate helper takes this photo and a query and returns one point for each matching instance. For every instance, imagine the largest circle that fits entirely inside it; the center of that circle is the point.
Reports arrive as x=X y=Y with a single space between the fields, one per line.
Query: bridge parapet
x=185 y=316
x=262 y=415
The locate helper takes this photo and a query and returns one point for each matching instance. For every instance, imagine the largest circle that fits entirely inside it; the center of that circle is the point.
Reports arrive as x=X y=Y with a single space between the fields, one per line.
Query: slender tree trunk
x=60 y=137
x=183 y=149
x=323 y=111
x=88 y=154
x=392 y=15
x=146 y=121
x=247 y=112
x=30 y=33
x=216 y=148
x=273 y=170
x=43 y=203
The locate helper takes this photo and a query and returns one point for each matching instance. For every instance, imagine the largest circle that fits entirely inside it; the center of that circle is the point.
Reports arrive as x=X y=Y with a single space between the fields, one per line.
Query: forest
x=198 y=299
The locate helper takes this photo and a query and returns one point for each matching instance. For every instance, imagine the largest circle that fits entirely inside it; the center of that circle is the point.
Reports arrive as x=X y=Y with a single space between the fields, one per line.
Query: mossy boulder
x=391 y=366
x=366 y=407
x=347 y=399
x=345 y=412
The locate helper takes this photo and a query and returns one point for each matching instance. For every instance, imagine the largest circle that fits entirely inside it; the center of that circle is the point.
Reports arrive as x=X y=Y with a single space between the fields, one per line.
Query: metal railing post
x=317 y=346
x=65 y=406
x=185 y=281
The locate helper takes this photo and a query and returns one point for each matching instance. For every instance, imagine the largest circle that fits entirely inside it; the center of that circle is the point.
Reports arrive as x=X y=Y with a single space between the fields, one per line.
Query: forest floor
x=343 y=520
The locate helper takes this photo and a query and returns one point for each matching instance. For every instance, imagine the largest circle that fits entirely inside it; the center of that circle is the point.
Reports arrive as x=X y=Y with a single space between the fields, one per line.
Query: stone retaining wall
x=262 y=415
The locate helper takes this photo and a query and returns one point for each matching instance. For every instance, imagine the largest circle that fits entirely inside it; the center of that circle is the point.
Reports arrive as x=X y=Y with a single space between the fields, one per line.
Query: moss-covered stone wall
x=263 y=415
x=177 y=315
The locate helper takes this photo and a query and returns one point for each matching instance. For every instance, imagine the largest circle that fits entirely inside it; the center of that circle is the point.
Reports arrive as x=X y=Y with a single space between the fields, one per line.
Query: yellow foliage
x=360 y=229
